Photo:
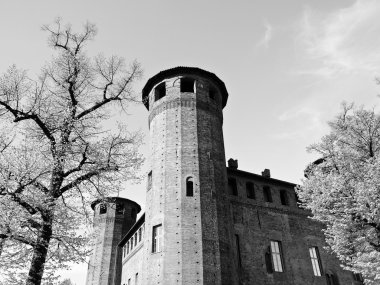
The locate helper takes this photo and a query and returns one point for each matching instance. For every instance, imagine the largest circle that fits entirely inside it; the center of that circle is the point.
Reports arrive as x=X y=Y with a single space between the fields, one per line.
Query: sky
x=287 y=65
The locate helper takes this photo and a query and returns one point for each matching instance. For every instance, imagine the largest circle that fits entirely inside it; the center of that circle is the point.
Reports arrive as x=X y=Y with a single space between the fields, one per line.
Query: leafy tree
x=343 y=189
x=60 y=152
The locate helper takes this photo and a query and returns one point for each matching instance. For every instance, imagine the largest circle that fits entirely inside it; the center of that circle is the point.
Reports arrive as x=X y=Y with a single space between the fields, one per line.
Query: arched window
x=189 y=187
x=102 y=208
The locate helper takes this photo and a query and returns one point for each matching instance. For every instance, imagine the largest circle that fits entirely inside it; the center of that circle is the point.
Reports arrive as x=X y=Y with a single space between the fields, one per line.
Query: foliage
x=59 y=152
x=343 y=190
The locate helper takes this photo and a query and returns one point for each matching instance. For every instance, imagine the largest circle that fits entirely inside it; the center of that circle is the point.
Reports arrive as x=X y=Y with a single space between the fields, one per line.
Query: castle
x=205 y=223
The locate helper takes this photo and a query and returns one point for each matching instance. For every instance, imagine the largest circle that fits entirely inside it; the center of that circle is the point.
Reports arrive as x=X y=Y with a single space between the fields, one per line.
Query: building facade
x=206 y=223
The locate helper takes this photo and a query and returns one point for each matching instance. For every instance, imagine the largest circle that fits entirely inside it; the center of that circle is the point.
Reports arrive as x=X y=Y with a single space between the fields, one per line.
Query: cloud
x=268 y=33
x=346 y=40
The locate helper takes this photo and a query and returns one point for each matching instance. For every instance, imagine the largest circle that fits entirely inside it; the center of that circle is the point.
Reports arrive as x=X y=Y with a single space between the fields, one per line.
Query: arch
x=190 y=186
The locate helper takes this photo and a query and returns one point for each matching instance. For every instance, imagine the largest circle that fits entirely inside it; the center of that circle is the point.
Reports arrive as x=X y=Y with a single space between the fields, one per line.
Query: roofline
x=112 y=199
x=245 y=173
x=182 y=70
x=138 y=223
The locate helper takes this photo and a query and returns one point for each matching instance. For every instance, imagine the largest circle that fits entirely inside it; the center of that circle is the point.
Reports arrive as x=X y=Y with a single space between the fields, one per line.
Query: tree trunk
x=40 y=253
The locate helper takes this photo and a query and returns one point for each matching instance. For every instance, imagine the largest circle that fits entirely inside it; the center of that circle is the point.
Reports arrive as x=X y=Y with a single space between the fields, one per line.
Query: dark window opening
x=119 y=209
x=149 y=180
x=284 y=198
x=238 y=250
x=133 y=214
x=357 y=277
x=268 y=261
x=332 y=279
x=212 y=93
x=189 y=187
x=267 y=194
x=250 y=190
x=159 y=91
x=187 y=85
x=103 y=208
x=232 y=186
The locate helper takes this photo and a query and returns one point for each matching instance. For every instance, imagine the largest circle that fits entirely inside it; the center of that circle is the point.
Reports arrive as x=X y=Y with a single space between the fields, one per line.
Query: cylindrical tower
x=186 y=208
x=113 y=217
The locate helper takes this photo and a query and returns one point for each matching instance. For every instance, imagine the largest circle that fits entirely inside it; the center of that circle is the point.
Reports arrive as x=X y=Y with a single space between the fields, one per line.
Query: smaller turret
x=113 y=217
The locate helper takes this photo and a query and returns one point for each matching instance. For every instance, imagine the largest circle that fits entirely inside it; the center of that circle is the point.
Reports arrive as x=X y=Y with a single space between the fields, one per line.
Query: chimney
x=233 y=163
x=265 y=173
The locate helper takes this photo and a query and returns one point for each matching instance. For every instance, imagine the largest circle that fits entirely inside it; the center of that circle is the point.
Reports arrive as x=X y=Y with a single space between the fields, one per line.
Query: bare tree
x=62 y=151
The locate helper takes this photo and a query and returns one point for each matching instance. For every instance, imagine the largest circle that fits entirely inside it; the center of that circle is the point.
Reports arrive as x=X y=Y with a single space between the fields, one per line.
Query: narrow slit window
x=149 y=182
x=187 y=85
x=140 y=234
x=124 y=250
x=156 y=238
x=127 y=247
x=284 y=198
x=275 y=247
x=268 y=261
x=136 y=279
x=103 y=208
x=159 y=91
x=189 y=187
x=212 y=93
x=232 y=186
x=267 y=194
x=250 y=190
x=315 y=261
x=237 y=241
x=135 y=239
x=332 y=279
x=131 y=243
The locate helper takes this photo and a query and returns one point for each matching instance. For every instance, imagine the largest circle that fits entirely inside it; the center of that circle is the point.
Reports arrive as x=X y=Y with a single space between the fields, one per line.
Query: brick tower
x=187 y=214
x=113 y=218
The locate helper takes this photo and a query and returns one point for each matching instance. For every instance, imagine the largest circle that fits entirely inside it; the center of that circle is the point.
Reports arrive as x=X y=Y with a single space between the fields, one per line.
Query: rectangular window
x=237 y=241
x=127 y=247
x=232 y=186
x=124 y=250
x=149 y=183
x=131 y=243
x=135 y=239
x=250 y=190
x=156 y=238
x=159 y=91
x=315 y=261
x=187 y=85
x=275 y=248
x=284 y=198
x=267 y=194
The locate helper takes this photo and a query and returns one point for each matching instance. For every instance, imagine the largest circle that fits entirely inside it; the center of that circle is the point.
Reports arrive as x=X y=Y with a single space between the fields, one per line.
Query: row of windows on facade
x=133 y=241
x=189 y=184
x=186 y=85
x=250 y=190
x=129 y=282
x=274 y=261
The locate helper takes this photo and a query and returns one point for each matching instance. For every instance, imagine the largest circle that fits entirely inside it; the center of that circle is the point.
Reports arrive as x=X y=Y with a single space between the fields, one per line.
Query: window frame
x=267 y=193
x=315 y=261
x=277 y=256
x=157 y=238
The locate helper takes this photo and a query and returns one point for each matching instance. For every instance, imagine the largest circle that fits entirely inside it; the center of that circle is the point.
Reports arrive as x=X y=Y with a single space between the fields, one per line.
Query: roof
x=259 y=177
x=113 y=199
x=132 y=230
x=182 y=70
